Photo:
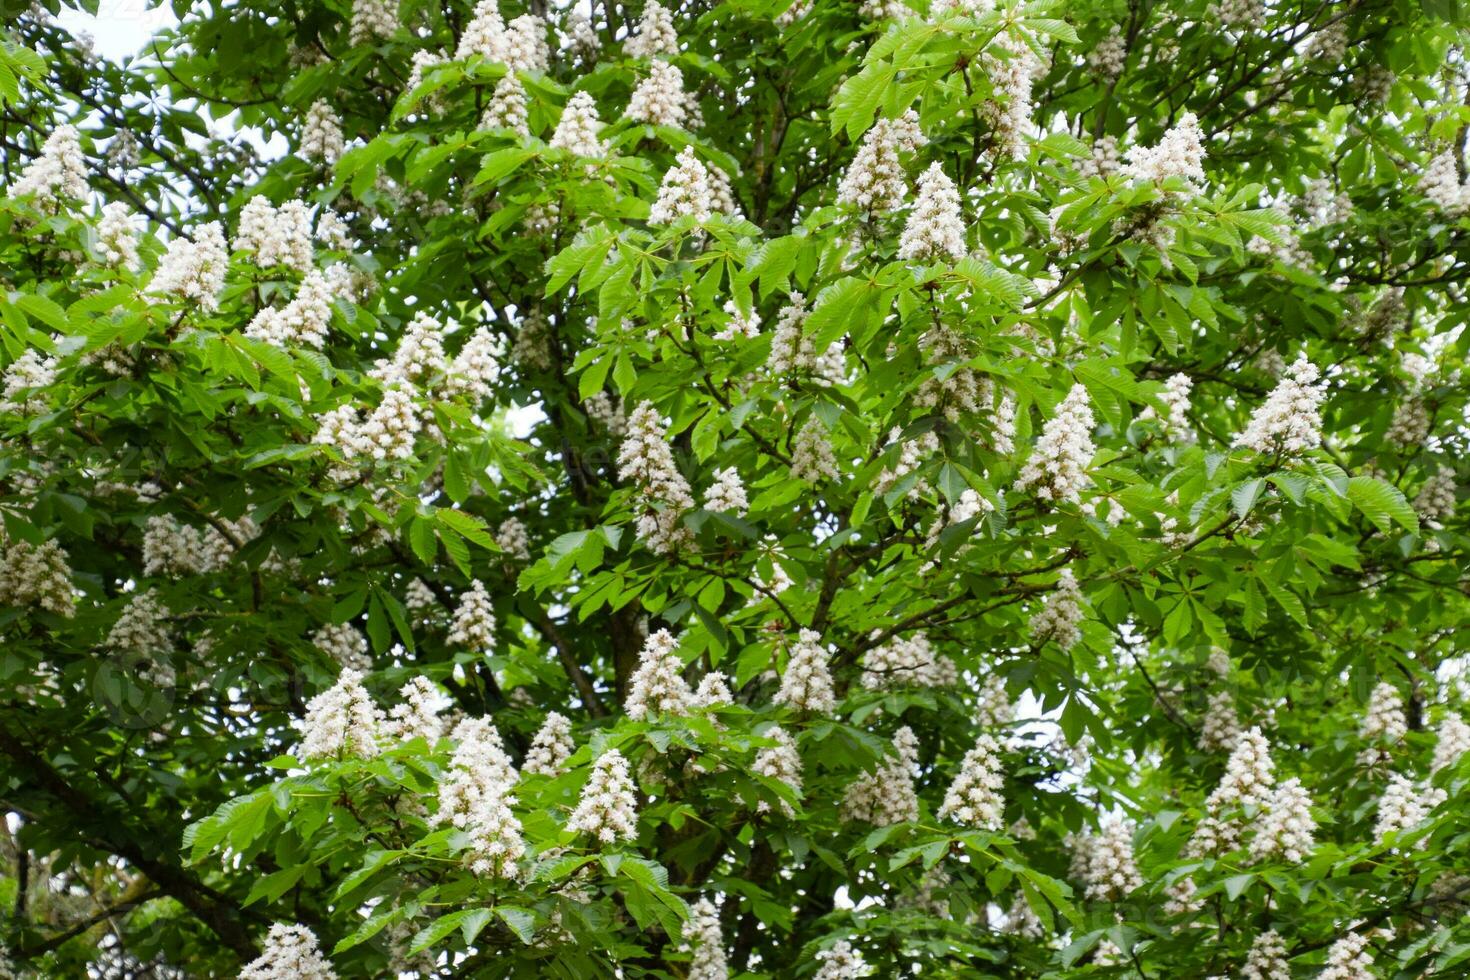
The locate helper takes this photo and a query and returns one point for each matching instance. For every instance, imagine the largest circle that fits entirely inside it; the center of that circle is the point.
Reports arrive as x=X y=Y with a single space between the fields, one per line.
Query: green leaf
x=1383 y=504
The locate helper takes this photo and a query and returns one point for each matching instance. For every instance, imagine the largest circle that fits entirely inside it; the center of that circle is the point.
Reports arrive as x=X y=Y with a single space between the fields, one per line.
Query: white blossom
x=478 y=767
x=582 y=36
x=1266 y=959
x=1180 y=153
x=484 y=35
x=27 y=383
x=37 y=575
x=807 y=683
x=476 y=367
x=473 y=625
x=576 y=131
x=974 y=798
x=419 y=714
x=1220 y=727
x=276 y=236
x=532 y=348
x=607 y=809
x=141 y=628
x=812 y=458
x=341 y=720
x=58 y=174
x=1452 y=741
x=1384 y=723
x=935 y=228
x=685 y=192
x=743 y=326
x=656 y=34
x=904 y=661
x=993 y=707
x=1441 y=184
x=1290 y=420
x=290 y=953
x=727 y=493
x=1013 y=67
x=1057 y=466
x=321 y=134
x=303 y=322
x=1176 y=401
x=1403 y=806
x=782 y=762
x=1285 y=826
x=372 y=19
x=644 y=458
x=1108 y=56
x=1110 y=871
x=344 y=644
x=875 y=180
x=606 y=412
x=526 y=47
x=117 y=238
x=840 y=962
x=702 y=938
x=659 y=98
x=658 y=685
x=388 y=432
x=507 y=107
x=496 y=843
x=1060 y=615
x=886 y=796
x=1348 y=959
x=193 y=268
x=551 y=746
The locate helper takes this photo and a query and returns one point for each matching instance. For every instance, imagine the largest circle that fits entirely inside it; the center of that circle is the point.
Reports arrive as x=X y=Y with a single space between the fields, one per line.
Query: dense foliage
x=827 y=490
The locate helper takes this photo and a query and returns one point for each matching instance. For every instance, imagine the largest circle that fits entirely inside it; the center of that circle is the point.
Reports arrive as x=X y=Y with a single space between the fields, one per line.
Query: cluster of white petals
x=935 y=227
x=1286 y=826
x=1348 y=959
x=1220 y=727
x=1384 y=723
x=484 y=34
x=290 y=953
x=1180 y=153
x=496 y=844
x=875 y=180
x=840 y=962
x=1060 y=615
x=1290 y=420
x=507 y=106
x=607 y=808
x=1452 y=742
x=551 y=746
x=276 y=236
x=171 y=548
x=727 y=493
x=1266 y=959
x=887 y=796
x=702 y=938
x=476 y=367
x=1176 y=400
x=117 y=237
x=1013 y=67
x=37 y=575
x=1403 y=806
x=576 y=131
x=478 y=767
x=993 y=707
x=345 y=644
x=303 y=322
x=645 y=459
x=473 y=625
x=372 y=19
x=419 y=355
x=419 y=714
x=193 y=268
x=526 y=47
x=793 y=350
x=659 y=99
x=58 y=174
x=807 y=683
x=974 y=799
x=908 y=661
x=1441 y=184
x=27 y=383
x=1057 y=466
x=782 y=762
x=141 y=628
x=1108 y=867
x=657 y=685
x=342 y=720
x=684 y=192
x=321 y=134
x=512 y=539
x=812 y=456
x=656 y=34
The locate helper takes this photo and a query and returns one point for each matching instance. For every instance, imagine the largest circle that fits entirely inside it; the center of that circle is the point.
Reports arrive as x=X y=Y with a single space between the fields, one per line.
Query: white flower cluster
x=656 y=34
x=303 y=322
x=26 y=383
x=193 y=268
x=812 y=456
x=657 y=685
x=792 y=350
x=886 y=796
x=551 y=746
x=1057 y=466
x=290 y=953
x=1107 y=865
x=1290 y=420
x=727 y=493
x=478 y=768
x=1403 y=806
x=576 y=131
x=344 y=644
x=58 y=174
x=582 y=37
x=840 y=962
x=513 y=540
x=782 y=762
x=1180 y=153
x=473 y=625
x=342 y=720
x=37 y=575
x=902 y=662
x=645 y=459
x=276 y=236
x=496 y=844
x=935 y=227
x=659 y=99
x=993 y=707
x=740 y=326
x=702 y=938
x=875 y=180
x=141 y=628
x=1348 y=959
x=321 y=134
x=419 y=355
x=1384 y=724
x=371 y=19
x=174 y=549
x=1108 y=56
x=974 y=799
x=606 y=412
x=1452 y=742
x=1249 y=776
x=474 y=370
x=1409 y=426
x=1266 y=959
x=117 y=238
x=526 y=47
x=532 y=348
x=1441 y=184
x=419 y=714
x=1176 y=400
x=607 y=808
x=1220 y=728
x=685 y=192
x=484 y=35
x=507 y=107
x=1286 y=826
x=807 y=683
x=1060 y=614
x=1013 y=67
